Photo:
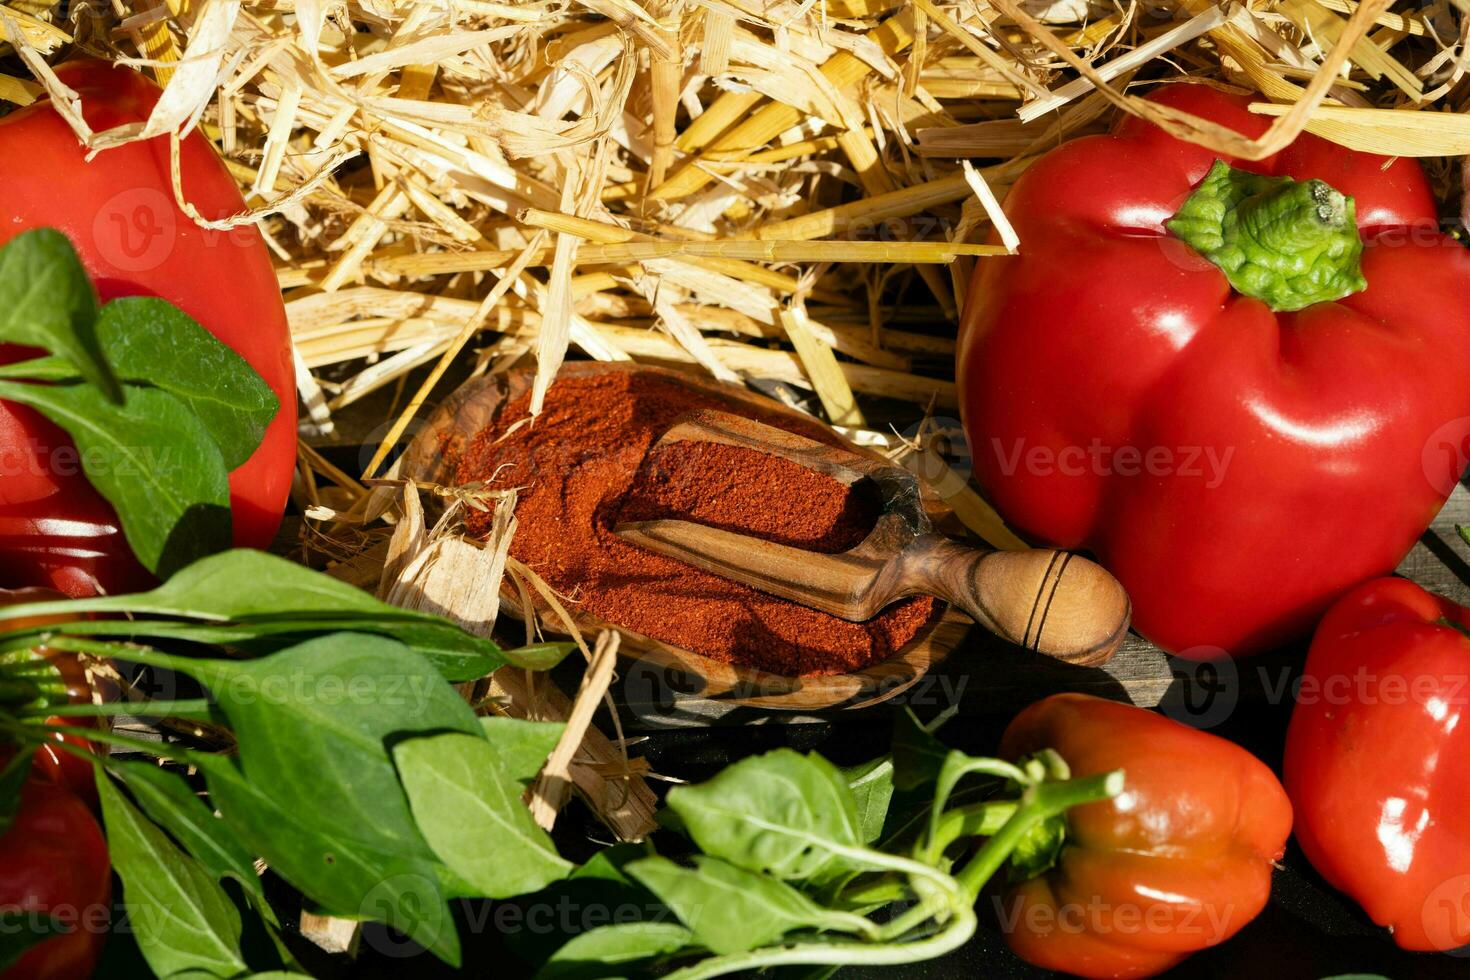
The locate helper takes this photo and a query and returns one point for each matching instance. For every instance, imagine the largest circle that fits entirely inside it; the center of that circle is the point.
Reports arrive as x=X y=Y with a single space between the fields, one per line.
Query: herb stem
x=1037 y=804
x=956 y=932
x=977 y=820
x=33 y=733
x=142 y=708
x=147 y=656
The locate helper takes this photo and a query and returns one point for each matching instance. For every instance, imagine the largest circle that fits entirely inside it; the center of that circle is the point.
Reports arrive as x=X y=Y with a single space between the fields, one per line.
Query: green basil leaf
x=729 y=909
x=312 y=724
x=521 y=746
x=150 y=341
x=538 y=656
x=237 y=585
x=47 y=301
x=277 y=602
x=20 y=930
x=783 y=813
x=455 y=653
x=872 y=791
x=328 y=861
x=169 y=801
x=468 y=806
x=917 y=755
x=611 y=951
x=181 y=917
x=153 y=461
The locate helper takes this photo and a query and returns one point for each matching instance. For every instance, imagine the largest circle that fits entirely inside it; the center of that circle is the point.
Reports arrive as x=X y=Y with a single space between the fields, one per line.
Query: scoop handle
x=1056 y=603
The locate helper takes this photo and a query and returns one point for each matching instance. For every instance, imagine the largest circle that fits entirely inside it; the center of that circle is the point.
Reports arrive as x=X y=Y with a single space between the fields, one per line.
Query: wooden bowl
x=432 y=456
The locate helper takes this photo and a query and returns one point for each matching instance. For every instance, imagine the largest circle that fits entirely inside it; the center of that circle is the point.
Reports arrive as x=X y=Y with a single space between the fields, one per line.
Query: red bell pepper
x=118 y=210
x=54 y=866
x=1226 y=386
x=1179 y=861
x=1376 y=759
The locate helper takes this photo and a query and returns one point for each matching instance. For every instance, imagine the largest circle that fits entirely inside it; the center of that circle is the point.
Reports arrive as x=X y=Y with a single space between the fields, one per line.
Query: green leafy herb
x=917 y=754
x=150 y=341
x=521 y=747
x=608 y=951
x=252 y=599
x=312 y=723
x=468 y=804
x=47 y=301
x=872 y=793
x=181 y=917
x=732 y=910
x=167 y=799
x=328 y=863
x=160 y=443
x=154 y=462
x=785 y=813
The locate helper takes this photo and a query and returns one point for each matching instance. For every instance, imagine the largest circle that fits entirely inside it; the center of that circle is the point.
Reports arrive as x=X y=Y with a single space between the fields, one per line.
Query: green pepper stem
x=1286 y=242
x=1037 y=804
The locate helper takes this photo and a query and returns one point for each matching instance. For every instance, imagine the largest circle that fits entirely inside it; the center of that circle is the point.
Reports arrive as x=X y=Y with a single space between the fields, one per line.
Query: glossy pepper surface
x=1245 y=394
x=1376 y=759
x=54 y=864
x=1178 y=862
x=118 y=211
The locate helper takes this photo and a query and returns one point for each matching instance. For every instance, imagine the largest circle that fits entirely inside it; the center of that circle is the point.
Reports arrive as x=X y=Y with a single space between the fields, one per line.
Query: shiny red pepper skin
x=1107 y=339
x=1179 y=861
x=53 y=860
x=1376 y=760
x=118 y=211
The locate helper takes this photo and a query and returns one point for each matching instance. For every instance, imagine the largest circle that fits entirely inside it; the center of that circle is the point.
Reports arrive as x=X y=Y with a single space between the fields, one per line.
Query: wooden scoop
x=1052 y=602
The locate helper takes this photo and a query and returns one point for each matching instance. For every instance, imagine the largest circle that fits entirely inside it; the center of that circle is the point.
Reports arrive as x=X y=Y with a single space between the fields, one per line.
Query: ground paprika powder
x=587 y=462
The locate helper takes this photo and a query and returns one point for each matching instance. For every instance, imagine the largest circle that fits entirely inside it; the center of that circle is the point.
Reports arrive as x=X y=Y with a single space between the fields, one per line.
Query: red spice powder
x=586 y=464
